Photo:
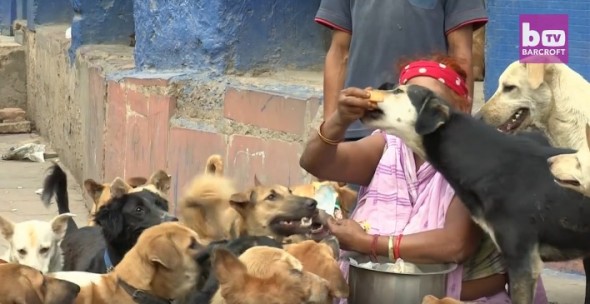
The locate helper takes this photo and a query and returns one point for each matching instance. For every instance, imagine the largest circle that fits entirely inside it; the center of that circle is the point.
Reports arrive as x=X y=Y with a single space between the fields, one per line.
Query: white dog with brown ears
x=550 y=96
x=35 y=243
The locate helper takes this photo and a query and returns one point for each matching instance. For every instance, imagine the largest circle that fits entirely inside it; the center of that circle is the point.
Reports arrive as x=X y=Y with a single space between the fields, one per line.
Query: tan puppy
x=321 y=259
x=551 y=97
x=161 y=266
x=159 y=182
x=265 y=275
x=25 y=285
x=434 y=300
x=35 y=243
x=215 y=210
x=573 y=170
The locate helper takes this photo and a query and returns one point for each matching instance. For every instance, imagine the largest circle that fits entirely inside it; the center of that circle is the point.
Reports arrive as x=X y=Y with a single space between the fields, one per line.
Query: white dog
x=551 y=97
x=36 y=243
x=573 y=170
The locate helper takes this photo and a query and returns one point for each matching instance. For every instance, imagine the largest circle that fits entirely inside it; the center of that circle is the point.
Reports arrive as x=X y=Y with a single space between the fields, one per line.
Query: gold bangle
x=325 y=139
x=390 y=248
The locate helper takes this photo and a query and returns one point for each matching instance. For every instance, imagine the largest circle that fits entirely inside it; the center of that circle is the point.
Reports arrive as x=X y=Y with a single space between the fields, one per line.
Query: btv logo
x=544 y=38
x=547 y=37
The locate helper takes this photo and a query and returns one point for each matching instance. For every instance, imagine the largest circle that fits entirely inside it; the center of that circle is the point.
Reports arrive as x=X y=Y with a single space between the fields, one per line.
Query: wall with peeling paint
x=228 y=36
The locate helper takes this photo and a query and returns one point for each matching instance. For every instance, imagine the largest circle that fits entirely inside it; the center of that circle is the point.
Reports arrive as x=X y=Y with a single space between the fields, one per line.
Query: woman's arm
x=460 y=47
x=335 y=70
x=351 y=162
x=454 y=243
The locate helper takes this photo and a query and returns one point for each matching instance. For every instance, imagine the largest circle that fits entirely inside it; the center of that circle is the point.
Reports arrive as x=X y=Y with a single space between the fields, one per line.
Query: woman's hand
x=352 y=104
x=349 y=233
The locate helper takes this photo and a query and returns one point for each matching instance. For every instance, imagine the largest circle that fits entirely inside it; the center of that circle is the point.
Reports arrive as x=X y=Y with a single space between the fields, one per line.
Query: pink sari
x=403 y=199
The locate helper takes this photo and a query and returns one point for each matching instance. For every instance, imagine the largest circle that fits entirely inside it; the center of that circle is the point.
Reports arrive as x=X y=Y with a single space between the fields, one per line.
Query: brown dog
x=321 y=259
x=25 y=285
x=215 y=210
x=159 y=182
x=162 y=266
x=265 y=275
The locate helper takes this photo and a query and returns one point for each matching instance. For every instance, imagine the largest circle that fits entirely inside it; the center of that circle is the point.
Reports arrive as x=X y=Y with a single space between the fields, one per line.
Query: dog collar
x=140 y=296
x=107 y=261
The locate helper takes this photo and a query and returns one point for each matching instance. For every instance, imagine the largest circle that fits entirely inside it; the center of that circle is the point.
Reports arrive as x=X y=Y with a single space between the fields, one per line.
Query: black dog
x=120 y=222
x=503 y=180
x=238 y=246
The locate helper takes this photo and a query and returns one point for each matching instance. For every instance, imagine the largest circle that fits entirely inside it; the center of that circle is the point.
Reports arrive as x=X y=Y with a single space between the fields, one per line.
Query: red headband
x=435 y=70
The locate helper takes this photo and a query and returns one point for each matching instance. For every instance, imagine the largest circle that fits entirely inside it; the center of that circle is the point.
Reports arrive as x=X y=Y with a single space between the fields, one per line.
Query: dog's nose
x=310 y=203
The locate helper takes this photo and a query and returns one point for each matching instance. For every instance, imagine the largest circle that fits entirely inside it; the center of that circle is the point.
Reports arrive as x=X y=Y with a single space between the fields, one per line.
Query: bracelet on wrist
x=326 y=140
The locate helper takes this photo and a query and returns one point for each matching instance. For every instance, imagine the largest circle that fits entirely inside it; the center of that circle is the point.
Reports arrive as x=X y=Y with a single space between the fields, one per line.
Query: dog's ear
x=588 y=136
x=30 y=295
x=161 y=180
x=6 y=228
x=93 y=188
x=535 y=74
x=241 y=200
x=110 y=218
x=119 y=187
x=257 y=181
x=136 y=181
x=332 y=241
x=59 y=224
x=163 y=252
x=228 y=267
x=433 y=114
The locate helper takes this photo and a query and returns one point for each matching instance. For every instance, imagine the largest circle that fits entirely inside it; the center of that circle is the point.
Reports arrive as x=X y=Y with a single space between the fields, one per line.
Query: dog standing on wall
x=551 y=97
x=503 y=180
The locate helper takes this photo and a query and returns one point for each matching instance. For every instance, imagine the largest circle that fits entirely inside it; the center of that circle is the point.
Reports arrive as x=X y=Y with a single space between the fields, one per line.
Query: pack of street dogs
x=263 y=245
x=526 y=188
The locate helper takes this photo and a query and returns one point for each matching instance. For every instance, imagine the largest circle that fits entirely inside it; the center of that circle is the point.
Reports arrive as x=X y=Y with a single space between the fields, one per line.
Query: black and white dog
x=504 y=181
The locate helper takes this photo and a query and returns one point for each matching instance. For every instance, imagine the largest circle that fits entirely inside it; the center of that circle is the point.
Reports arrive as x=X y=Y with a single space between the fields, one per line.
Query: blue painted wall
x=227 y=36
x=97 y=22
x=502 y=34
x=7 y=14
x=48 y=12
x=21 y=9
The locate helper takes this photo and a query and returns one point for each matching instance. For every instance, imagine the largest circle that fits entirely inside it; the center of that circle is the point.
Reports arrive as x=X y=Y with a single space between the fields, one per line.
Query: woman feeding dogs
x=406 y=210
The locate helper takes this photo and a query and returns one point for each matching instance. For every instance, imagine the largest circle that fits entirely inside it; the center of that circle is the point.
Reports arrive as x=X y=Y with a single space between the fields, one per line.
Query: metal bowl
x=369 y=286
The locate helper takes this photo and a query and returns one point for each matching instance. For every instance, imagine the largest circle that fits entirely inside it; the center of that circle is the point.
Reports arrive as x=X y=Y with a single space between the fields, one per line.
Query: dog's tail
x=56 y=183
x=205 y=190
x=214 y=165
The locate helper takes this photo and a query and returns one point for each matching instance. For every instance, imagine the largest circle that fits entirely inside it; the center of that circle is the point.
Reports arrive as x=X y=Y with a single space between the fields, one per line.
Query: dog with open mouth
x=503 y=180
x=216 y=211
x=549 y=96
